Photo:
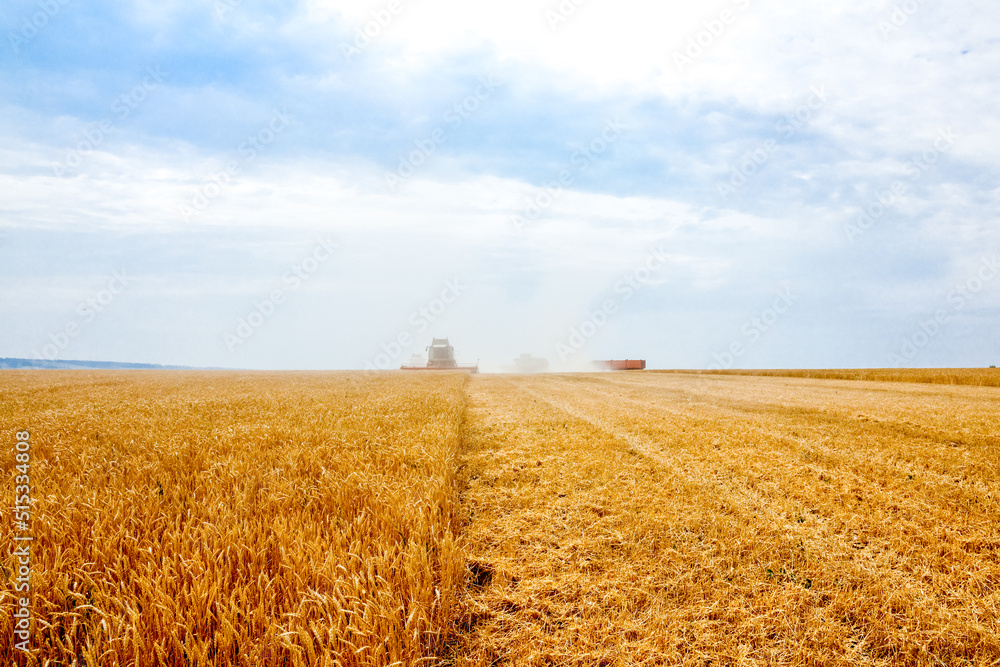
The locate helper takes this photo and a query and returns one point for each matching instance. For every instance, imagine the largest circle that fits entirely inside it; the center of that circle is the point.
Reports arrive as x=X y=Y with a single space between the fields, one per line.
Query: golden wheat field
x=979 y=377
x=237 y=519
x=437 y=518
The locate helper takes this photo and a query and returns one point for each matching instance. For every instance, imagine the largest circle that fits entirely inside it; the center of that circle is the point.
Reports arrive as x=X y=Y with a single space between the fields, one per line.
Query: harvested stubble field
x=592 y=519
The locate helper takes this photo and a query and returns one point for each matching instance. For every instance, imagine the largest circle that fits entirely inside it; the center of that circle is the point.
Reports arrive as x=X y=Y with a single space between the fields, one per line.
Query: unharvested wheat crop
x=223 y=519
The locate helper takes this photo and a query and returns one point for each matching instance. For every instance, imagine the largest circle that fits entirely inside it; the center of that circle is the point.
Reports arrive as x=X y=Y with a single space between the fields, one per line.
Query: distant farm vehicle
x=440 y=357
x=529 y=364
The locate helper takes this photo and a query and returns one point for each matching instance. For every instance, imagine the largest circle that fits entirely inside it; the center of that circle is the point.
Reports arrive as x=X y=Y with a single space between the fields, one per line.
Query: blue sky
x=275 y=191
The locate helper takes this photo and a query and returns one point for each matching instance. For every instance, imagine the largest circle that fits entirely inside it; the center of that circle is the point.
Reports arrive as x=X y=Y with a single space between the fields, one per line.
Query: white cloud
x=886 y=98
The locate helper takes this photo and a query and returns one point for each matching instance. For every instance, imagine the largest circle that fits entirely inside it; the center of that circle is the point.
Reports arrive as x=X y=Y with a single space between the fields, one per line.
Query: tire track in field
x=854 y=441
x=891 y=503
x=949 y=415
x=681 y=463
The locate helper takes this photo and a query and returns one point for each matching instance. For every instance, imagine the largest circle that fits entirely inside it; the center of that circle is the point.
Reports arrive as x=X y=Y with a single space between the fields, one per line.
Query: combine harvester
x=440 y=357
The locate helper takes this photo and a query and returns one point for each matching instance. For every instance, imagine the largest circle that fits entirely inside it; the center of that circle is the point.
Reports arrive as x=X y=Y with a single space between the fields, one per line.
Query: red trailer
x=622 y=365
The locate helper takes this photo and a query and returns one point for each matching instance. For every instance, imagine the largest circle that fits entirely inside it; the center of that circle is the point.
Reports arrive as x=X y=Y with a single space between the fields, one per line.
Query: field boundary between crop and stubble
x=976 y=377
